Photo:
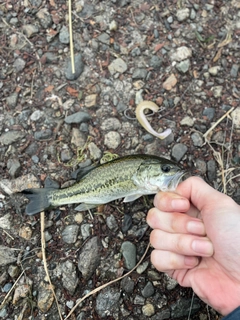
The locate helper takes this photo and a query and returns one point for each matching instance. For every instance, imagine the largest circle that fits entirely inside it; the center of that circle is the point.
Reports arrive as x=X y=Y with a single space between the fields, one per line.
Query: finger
x=166 y=261
x=174 y=222
x=171 y=201
x=183 y=244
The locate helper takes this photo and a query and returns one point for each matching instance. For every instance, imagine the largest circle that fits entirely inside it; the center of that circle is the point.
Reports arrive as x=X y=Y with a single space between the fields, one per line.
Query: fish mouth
x=171 y=182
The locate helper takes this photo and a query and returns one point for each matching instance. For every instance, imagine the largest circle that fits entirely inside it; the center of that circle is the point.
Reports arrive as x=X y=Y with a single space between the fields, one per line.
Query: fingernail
x=196 y=227
x=179 y=204
x=203 y=247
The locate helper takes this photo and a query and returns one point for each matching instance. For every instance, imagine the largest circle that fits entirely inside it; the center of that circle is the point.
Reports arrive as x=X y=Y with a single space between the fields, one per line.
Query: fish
x=128 y=177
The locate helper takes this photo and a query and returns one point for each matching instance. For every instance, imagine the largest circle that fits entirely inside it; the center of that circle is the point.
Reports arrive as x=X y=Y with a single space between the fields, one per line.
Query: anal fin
x=86 y=206
x=132 y=197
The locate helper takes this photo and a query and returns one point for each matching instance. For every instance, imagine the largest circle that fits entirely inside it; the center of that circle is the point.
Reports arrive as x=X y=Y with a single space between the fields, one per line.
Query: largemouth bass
x=127 y=177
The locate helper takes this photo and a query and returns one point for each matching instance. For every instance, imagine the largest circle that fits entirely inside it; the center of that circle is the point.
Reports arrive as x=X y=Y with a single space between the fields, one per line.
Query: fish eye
x=166 y=168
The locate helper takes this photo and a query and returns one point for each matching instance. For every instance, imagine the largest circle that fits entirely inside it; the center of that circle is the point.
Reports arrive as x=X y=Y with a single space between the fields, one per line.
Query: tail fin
x=39 y=200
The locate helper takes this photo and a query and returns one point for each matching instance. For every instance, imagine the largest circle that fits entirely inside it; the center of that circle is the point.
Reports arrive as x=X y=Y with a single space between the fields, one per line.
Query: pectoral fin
x=86 y=206
x=132 y=197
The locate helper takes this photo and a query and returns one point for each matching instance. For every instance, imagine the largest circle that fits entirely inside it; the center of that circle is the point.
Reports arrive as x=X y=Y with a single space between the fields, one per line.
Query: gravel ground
x=185 y=56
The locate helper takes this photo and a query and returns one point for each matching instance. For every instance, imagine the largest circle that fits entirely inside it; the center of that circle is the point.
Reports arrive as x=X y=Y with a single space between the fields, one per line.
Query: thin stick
x=71 y=34
x=107 y=284
x=43 y=243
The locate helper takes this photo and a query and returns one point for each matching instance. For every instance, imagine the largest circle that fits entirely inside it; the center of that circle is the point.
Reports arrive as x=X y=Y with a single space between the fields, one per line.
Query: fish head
x=159 y=175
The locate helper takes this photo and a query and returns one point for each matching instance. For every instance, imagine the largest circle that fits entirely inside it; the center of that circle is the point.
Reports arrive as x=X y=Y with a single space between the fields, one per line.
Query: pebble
x=95 y=152
x=86 y=230
x=104 y=38
x=78 y=138
x=113 y=25
x=117 y=65
x=209 y=113
x=182 y=307
x=36 y=115
x=217 y=91
x=183 y=14
x=187 y=121
x=107 y=302
x=129 y=253
x=112 y=139
x=148 y=290
x=30 y=30
x=47 y=235
x=70 y=233
x=12 y=100
x=170 y=282
x=183 y=66
x=66 y=155
x=5 y=222
x=214 y=70
x=69 y=276
x=197 y=139
x=25 y=232
x=91 y=100
x=211 y=170
x=7 y=255
x=127 y=284
x=19 y=64
x=111 y=124
x=64 y=35
x=79 y=66
x=44 y=17
x=234 y=70
x=192 y=14
x=14 y=167
x=170 y=82
x=139 y=73
x=235 y=114
x=78 y=117
x=178 y=151
x=148 y=310
x=89 y=257
x=142 y=267
x=112 y=223
x=201 y=166
x=43 y=134
x=180 y=54
x=13 y=271
x=155 y=62
x=45 y=297
x=7 y=287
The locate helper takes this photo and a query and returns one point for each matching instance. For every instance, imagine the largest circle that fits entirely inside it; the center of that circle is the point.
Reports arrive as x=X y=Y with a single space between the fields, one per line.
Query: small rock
x=148 y=290
x=89 y=257
x=78 y=117
x=95 y=152
x=236 y=117
x=117 y=65
x=178 y=151
x=113 y=25
x=209 y=113
x=70 y=233
x=192 y=14
x=64 y=35
x=139 y=73
x=170 y=82
x=127 y=284
x=69 y=276
x=36 y=115
x=66 y=155
x=30 y=30
x=183 y=14
x=182 y=307
x=111 y=124
x=12 y=100
x=183 y=66
x=129 y=254
x=21 y=291
x=5 y=222
x=91 y=100
x=25 y=232
x=86 y=230
x=112 y=139
x=182 y=53
x=201 y=166
x=148 y=310
x=187 y=121
x=7 y=287
x=14 y=167
x=170 y=282
x=78 y=217
x=214 y=70
x=104 y=38
x=79 y=65
x=142 y=267
x=43 y=134
x=47 y=235
x=234 y=70
x=197 y=139
x=7 y=255
x=19 y=64
x=217 y=91
x=68 y=104
x=211 y=170
x=78 y=138
x=107 y=302
x=44 y=17
x=10 y=137
x=112 y=223
x=45 y=297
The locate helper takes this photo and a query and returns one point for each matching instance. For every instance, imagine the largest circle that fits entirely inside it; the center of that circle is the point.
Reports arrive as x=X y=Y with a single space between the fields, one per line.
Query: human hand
x=196 y=238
